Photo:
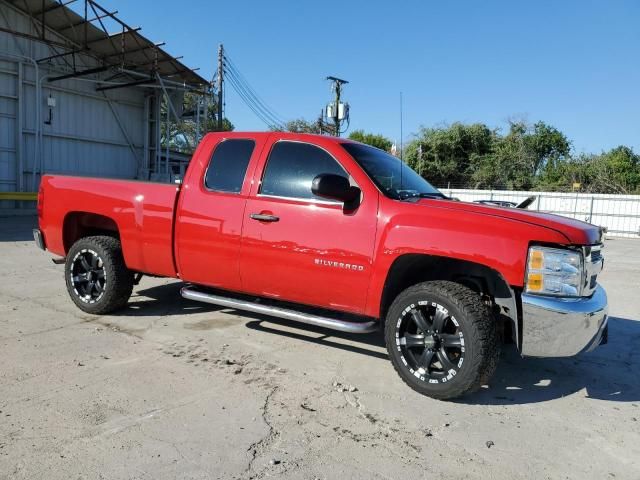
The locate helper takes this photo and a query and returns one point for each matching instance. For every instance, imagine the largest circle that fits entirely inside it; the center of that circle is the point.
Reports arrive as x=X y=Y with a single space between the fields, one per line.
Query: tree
x=182 y=134
x=518 y=157
x=615 y=171
x=478 y=156
x=619 y=169
x=450 y=154
x=301 y=125
x=547 y=144
x=526 y=156
x=378 y=141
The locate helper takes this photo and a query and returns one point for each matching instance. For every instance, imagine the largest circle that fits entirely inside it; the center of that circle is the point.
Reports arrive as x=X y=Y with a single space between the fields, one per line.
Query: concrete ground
x=170 y=388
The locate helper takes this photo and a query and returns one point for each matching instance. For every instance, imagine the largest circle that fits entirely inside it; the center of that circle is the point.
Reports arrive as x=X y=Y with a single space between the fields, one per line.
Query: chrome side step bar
x=343 y=326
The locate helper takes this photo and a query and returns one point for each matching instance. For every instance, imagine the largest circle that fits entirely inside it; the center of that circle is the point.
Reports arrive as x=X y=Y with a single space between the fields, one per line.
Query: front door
x=302 y=248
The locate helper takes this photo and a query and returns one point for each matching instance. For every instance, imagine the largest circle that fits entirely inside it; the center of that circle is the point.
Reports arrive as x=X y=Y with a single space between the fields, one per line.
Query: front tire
x=442 y=339
x=98 y=281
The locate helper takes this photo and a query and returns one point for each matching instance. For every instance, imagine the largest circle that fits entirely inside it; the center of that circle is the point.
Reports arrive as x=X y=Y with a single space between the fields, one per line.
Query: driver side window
x=292 y=166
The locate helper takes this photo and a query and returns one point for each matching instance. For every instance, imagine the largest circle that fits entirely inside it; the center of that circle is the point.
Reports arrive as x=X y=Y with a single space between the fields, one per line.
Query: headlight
x=554 y=271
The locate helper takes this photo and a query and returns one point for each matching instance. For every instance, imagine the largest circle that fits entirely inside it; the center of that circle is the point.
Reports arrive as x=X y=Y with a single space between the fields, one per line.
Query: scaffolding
x=90 y=43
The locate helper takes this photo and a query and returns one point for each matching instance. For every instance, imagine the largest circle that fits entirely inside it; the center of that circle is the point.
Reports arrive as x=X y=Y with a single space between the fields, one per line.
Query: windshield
x=393 y=177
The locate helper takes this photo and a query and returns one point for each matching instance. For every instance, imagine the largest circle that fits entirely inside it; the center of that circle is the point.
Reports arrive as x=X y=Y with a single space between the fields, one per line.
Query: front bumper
x=562 y=327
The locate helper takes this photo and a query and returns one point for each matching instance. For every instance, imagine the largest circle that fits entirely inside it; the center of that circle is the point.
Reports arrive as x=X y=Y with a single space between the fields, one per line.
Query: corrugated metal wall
x=8 y=130
x=89 y=132
x=86 y=137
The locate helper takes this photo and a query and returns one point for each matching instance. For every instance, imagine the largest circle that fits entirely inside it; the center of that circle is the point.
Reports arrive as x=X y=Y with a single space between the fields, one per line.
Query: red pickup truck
x=332 y=232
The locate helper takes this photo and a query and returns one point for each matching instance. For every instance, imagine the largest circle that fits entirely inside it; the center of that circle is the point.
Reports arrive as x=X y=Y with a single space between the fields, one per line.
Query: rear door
x=211 y=208
x=302 y=248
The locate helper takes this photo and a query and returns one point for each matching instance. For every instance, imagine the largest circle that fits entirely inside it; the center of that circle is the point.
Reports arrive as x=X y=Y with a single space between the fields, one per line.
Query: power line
x=243 y=81
x=249 y=102
x=260 y=113
x=246 y=100
x=251 y=90
x=250 y=97
x=263 y=114
x=247 y=95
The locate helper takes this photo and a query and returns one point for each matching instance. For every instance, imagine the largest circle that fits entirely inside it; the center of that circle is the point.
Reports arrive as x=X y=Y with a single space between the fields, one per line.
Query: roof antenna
x=401 y=145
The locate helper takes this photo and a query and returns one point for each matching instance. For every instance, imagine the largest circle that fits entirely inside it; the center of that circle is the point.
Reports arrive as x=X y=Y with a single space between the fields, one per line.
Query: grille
x=593 y=266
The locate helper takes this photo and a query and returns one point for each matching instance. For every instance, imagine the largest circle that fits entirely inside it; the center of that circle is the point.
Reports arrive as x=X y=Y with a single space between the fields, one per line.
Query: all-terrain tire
x=469 y=326
x=113 y=281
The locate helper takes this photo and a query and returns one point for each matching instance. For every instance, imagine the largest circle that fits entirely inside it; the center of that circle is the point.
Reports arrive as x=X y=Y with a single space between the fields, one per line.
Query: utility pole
x=339 y=111
x=220 y=78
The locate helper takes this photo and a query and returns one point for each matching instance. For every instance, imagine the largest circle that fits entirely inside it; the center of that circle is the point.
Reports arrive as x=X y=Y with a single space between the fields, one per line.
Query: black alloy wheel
x=431 y=342
x=442 y=339
x=97 y=278
x=88 y=275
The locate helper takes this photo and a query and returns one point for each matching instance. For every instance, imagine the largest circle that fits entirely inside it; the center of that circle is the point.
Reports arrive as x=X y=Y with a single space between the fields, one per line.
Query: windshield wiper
x=415 y=196
x=431 y=195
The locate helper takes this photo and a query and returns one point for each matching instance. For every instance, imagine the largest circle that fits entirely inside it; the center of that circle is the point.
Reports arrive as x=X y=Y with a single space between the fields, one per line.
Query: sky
x=572 y=64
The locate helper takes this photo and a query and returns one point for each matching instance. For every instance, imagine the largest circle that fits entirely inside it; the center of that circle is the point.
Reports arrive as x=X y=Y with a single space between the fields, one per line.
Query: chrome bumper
x=562 y=327
x=39 y=239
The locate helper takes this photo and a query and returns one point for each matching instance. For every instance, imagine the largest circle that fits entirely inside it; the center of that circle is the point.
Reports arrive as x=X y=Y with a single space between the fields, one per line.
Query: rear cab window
x=228 y=165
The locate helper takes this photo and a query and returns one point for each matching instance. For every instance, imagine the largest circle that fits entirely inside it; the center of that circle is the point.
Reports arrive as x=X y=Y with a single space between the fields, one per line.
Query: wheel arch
x=410 y=269
x=79 y=224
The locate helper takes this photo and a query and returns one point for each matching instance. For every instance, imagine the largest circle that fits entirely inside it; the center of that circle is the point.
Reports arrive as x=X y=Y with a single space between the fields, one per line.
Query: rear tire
x=442 y=339
x=98 y=281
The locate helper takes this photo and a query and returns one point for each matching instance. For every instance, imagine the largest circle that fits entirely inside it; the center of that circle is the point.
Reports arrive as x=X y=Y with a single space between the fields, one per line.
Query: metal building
x=82 y=92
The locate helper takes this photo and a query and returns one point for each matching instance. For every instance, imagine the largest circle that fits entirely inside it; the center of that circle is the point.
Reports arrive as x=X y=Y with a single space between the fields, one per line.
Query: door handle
x=263 y=217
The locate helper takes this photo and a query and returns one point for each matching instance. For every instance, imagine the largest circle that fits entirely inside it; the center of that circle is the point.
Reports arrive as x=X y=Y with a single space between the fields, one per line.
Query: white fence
x=620 y=214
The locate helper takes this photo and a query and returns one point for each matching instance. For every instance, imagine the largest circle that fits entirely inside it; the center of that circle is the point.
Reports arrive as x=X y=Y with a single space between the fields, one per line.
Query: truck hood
x=576 y=232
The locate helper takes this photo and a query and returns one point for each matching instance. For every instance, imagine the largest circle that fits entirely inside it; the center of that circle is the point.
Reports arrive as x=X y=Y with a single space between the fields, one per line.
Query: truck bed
x=142 y=212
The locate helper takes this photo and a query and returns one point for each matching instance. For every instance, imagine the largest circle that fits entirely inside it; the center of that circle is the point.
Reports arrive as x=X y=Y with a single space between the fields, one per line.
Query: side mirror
x=335 y=187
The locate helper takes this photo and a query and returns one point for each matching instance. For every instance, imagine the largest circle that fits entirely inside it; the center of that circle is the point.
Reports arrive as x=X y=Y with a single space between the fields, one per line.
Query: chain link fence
x=619 y=214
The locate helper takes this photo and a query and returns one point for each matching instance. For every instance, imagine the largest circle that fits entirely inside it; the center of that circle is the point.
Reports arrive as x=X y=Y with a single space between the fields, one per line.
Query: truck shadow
x=611 y=372
x=349 y=342
x=163 y=300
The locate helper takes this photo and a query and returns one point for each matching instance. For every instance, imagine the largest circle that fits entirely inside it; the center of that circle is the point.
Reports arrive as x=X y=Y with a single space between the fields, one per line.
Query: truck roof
x=290 y=135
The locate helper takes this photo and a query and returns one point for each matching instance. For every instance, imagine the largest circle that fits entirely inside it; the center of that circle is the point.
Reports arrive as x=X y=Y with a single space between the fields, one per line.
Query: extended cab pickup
x=331 y=232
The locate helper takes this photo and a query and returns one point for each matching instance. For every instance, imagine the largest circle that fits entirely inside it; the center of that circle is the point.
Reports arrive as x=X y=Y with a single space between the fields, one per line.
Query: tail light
x=40 y=201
